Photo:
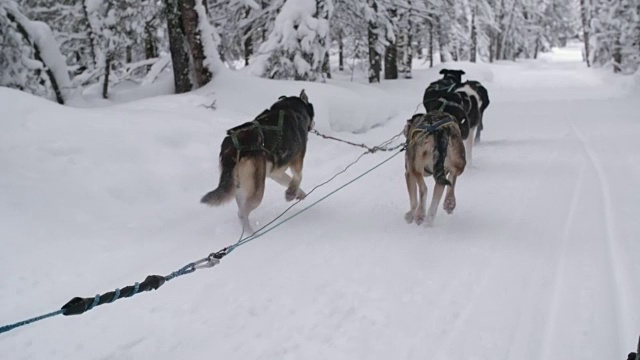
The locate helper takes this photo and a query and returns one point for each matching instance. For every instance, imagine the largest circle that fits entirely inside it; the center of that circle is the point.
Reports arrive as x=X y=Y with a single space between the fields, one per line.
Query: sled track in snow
x=484 y=278
x=616 y=273
x=559 y=272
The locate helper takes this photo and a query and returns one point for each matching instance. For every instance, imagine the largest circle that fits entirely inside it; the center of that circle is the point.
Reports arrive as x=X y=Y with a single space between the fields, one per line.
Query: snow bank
x=339 y=106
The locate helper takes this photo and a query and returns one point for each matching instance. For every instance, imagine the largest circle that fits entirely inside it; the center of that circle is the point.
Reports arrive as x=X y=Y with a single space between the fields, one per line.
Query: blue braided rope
x=187 y=269
x=255 y=236
x=10 y=327
x=116 y=296
x=136 y=287
x=94 y=303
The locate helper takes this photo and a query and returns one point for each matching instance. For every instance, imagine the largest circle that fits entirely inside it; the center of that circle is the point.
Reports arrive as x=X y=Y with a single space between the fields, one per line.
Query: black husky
x=267 y=146
x=441 y=95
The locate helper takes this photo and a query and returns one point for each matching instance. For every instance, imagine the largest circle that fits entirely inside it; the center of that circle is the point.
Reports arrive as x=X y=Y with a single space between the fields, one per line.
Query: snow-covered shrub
x=30 y=59
x=297 y=46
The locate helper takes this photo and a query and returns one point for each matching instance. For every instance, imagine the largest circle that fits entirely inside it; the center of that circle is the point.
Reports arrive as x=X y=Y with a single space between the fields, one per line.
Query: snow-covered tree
x=613 y=39
x=193 y=44
x=30 y=59
x=297 y=45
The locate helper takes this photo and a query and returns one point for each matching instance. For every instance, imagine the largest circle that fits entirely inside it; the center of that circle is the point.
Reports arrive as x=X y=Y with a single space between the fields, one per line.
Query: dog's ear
x=304 y=97
x=405 y=131
x=460 y=72
x=410 y=122
x=310 y=110
x=282 y=97
x=444 y=71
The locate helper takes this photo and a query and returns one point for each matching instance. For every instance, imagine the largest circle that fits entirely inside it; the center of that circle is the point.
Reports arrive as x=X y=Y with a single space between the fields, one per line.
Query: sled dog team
x=438 y=143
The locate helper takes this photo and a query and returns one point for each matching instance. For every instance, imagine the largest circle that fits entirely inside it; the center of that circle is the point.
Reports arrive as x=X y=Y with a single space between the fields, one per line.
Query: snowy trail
x=539 y=260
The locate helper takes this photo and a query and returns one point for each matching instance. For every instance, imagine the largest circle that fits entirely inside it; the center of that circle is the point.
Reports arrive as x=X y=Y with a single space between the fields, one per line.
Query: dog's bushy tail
x=442 y=143
x=226 y=186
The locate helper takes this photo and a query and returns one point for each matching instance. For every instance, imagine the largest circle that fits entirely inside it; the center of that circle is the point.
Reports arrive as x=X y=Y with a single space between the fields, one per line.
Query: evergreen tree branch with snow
x=30 y=59
x=297 y=45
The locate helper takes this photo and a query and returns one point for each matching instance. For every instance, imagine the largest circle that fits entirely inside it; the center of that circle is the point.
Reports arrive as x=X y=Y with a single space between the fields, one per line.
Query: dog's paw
x=291 y=194
x=449 y=204
x=300 y=195
x=430 y=220
x=408 y=217
x=419 y=218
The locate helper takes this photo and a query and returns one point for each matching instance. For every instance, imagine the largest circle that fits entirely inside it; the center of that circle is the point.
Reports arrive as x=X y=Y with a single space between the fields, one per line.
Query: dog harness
x=442 y=85
x=255 y=124
x=425 y=129
x=447 y=86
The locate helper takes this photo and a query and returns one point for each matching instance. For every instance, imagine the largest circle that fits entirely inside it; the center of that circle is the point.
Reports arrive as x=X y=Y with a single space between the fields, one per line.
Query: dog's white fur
x=469 y=142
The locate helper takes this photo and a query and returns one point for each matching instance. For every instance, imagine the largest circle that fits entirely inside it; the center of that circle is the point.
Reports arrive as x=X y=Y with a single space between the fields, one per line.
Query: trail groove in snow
x=616 y=258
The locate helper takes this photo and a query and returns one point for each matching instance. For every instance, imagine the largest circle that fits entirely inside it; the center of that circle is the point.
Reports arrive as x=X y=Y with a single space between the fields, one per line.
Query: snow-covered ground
x=540 y=260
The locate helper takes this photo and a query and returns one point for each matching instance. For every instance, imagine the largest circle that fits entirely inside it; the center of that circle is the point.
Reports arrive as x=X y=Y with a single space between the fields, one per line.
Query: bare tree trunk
x=584 y=12
x=391 y=51
x=248 y=39
x=492 y=42
x=190 y=20
x=474 y=38
x=177 y=44
x=263 y=33
x=150 y=49
x=408 y=51
x=441 y=42
x=536 y=50
x=129 y=54
x=107 y=72
x=322 y=12
x=431 y=34
x=617 y=55
x=375 y=61
x=638 y=44
x=185 y=41
x=340 y=52
x=326 y=66
x=248 y=48
x=499 y=33
x=91 y=33
x=391 y=62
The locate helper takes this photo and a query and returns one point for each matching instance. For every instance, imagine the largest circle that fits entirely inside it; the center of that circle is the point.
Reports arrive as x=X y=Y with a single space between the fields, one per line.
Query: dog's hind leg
x=468 y=146
x=251 y=183
x=413 y=201
x=450 y=199
x=294 y=191
x=280 y=176
x=478 y=130
x=422 y=199
x=438 y=189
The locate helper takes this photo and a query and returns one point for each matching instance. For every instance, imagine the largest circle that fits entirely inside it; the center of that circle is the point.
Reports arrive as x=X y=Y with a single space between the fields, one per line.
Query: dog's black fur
x=264 y=150
x=440 y=95
x=454 y=75
x=484 y=99
x=280 y=148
